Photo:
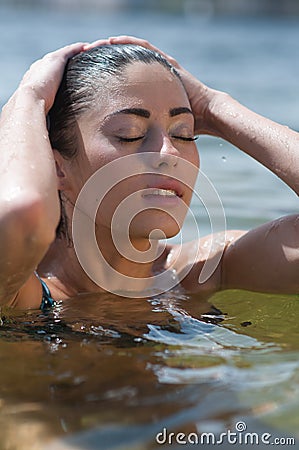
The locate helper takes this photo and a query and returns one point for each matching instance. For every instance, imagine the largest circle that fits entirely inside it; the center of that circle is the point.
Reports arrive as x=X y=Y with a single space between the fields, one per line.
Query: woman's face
x=144 y=125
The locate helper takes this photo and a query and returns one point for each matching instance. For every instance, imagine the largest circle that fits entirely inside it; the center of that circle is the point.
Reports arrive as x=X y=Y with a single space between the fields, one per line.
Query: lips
x=162 y=192
x=165 y=188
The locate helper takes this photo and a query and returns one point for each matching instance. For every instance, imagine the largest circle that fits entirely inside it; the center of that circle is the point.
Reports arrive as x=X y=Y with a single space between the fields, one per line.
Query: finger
x=143 y=43
x=67 y=51
x=96 y=43
x=123 y=39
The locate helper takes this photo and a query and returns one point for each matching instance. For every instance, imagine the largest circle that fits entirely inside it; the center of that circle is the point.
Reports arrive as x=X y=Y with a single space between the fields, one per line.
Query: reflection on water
x=116 y=371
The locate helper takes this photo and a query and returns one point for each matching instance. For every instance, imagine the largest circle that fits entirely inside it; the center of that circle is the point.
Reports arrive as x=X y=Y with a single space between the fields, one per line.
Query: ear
x=62 y=179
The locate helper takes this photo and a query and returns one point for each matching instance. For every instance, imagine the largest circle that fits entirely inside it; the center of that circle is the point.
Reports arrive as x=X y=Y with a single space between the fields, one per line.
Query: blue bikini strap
x=47 y=300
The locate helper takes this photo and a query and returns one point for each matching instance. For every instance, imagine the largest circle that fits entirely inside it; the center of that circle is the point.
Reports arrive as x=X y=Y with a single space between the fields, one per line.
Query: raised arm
x=29 y=203
x=273 y=145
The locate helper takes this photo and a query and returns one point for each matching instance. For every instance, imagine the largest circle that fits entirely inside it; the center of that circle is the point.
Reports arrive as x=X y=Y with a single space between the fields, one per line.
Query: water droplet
x=223 y=158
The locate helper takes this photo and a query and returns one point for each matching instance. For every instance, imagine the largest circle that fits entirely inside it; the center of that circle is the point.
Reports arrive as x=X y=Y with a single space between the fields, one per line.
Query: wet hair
x=84 y=77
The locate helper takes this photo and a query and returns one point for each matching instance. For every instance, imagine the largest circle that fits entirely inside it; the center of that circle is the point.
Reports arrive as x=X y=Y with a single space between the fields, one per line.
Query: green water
x=274 y=365
x=107 y=372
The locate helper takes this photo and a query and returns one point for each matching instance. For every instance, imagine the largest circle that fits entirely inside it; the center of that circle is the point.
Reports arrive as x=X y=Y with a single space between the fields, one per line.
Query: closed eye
x=122 y=139
x=138 y=138
x=186 y=139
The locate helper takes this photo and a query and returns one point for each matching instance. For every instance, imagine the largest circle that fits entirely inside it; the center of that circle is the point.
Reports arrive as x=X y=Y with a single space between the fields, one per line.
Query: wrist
x=29 y=95
x=26 y=99
x=219 y=113
x=206 y=104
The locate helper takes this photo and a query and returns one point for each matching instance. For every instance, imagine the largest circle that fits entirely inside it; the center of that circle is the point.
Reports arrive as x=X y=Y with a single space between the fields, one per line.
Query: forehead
x=141 y=77
x=151 y=85
x=139 y=71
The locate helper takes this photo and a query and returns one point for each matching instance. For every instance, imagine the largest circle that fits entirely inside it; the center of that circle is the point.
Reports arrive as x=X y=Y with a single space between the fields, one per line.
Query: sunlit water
x=108 y=372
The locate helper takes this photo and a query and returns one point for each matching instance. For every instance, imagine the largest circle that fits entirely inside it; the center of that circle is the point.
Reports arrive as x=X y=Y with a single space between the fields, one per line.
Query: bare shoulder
x=29 y=295
x=265 y=259
x=198 y=263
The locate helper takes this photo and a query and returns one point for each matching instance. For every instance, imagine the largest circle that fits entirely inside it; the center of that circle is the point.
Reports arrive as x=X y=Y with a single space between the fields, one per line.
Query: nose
x=166 y=156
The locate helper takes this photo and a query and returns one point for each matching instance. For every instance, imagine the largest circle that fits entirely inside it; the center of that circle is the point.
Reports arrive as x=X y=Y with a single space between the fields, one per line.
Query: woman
x=112 y=126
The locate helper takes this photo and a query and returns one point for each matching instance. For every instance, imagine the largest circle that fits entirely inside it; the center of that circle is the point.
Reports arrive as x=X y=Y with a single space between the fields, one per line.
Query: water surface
x=109 y=372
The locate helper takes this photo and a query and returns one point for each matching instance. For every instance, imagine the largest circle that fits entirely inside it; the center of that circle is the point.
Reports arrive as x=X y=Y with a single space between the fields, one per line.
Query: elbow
x=25 y=237
x=38 y=225
x=27 y=220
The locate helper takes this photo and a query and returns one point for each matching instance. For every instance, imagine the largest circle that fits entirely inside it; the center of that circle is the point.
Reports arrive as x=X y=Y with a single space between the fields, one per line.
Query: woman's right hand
x=44 y=76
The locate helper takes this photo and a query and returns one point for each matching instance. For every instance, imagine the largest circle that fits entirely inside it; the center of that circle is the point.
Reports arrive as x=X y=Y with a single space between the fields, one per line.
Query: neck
x=97 y=264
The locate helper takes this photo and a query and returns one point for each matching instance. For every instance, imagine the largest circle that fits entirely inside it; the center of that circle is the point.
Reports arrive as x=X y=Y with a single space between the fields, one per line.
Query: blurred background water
x=254 y=58
x=124 y=376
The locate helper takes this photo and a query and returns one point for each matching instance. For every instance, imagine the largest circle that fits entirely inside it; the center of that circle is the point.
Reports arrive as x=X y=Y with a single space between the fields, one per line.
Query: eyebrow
x=135 y=111
x=146 y=114
x=181 y=110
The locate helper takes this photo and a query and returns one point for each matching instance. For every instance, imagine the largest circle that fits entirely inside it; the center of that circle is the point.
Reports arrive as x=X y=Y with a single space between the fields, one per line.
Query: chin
x=163 y=227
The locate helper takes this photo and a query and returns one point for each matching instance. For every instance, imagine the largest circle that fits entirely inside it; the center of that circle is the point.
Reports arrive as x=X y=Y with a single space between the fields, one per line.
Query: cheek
x=189 y=168
x=190 y=154
x=93 y=162
x=98 y=155
x=118 y=197
x=195 y=159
